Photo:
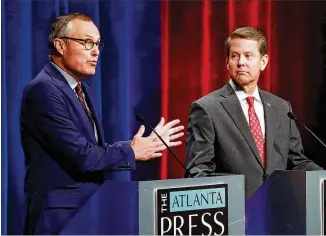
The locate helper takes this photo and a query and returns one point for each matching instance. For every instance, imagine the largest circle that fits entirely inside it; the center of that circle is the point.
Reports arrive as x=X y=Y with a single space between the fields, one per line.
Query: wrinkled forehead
x=83 y=29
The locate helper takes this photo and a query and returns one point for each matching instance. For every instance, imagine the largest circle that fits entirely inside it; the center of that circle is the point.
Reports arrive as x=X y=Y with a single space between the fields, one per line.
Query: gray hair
x=61 y=27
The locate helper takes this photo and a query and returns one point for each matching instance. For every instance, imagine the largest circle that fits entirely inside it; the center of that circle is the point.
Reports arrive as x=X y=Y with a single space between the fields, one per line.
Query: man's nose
x=95 y=51
x=242 y=60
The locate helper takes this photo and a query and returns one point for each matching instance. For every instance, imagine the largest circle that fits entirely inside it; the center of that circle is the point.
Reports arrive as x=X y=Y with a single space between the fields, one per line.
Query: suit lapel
x=63 y=84
x=232 y=106
x=270 y=124
x=91 y=104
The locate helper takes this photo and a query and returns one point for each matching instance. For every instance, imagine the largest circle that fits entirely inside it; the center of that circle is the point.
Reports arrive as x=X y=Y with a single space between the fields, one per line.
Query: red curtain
x=193 y=54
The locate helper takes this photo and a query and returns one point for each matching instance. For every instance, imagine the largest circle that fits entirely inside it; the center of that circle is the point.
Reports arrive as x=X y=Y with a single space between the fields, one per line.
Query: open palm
x=168 y=132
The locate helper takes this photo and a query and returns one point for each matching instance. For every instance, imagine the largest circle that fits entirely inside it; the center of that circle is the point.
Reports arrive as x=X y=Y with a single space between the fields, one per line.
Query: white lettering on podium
x=178 y=222
x=190 y=223
x=162 y=225
x=176 y=227
x=205 y=223
x=164 y=198
x=219 y=222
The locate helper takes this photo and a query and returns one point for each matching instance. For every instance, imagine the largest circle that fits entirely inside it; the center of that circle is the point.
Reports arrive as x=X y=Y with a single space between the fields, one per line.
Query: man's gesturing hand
x=146 y=148
x=168 y=132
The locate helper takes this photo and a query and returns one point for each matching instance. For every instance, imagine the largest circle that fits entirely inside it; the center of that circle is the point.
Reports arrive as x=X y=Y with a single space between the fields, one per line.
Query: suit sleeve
x=46 y=115
x=296 y=158
x=200 y=142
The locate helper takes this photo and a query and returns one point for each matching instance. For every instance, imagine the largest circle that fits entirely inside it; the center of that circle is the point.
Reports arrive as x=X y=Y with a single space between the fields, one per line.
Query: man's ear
x=59 y=46
x=227 y=63
x=263 y=62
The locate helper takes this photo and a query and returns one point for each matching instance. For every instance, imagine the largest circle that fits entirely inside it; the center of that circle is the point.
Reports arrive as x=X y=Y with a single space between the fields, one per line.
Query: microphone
x=142 y=120
x=293 y=117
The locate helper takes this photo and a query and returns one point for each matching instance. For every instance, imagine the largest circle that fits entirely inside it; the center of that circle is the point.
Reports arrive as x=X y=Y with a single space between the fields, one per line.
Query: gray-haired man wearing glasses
x=62 y=135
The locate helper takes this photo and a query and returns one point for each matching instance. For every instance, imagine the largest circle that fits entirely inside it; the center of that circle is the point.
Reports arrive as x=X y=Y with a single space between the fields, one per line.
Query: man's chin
x=243 y=80
x=91 y=72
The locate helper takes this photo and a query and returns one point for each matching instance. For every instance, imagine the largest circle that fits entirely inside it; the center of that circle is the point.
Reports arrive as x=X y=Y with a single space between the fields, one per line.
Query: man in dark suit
x=241 y=129
x=62 y=135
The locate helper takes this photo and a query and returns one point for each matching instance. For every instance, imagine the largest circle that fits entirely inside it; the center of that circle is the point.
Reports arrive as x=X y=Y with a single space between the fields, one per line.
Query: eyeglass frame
x=100 y=45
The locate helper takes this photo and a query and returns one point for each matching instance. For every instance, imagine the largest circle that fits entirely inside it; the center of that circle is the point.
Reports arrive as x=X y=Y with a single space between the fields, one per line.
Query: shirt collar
x=242 y=95
x=71 y=81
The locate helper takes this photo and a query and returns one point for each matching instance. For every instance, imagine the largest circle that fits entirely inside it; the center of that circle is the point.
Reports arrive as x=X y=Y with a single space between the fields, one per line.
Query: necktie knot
x=250 y=101
x=79 y=89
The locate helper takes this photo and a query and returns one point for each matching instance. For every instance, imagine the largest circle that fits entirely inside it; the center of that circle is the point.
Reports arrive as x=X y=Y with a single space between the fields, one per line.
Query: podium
x=176 y=206
x=289 y=202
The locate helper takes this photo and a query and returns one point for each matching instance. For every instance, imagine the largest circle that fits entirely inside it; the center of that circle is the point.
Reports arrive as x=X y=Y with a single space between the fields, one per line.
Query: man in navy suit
x=62 y=135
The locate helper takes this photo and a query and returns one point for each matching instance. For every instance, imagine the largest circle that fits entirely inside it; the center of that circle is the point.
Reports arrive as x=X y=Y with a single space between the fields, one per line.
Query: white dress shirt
x=258 y=105
x=73 y=84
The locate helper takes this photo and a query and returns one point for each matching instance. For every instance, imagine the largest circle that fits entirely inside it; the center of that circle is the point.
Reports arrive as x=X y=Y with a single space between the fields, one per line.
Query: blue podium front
x=288 y=203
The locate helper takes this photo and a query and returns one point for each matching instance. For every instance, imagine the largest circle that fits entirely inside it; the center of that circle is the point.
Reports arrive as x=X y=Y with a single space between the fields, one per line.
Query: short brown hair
x=247 y=33
x=60 y=28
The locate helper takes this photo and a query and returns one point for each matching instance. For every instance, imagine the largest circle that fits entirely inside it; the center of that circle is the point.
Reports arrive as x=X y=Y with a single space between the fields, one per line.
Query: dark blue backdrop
x=127 y=79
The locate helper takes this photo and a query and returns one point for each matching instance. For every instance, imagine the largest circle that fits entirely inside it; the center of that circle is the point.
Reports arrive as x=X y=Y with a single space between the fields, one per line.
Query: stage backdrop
x=158 y=58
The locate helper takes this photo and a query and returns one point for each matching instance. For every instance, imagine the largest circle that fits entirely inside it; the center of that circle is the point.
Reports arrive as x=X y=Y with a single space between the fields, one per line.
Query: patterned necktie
x=81 y=98
x=256 y=129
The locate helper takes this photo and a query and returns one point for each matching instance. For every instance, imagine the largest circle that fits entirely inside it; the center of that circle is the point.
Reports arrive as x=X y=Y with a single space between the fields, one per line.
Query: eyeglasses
x=88 y=43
